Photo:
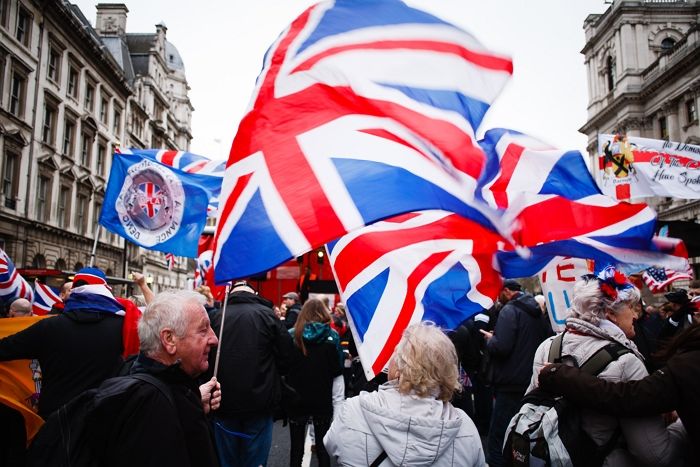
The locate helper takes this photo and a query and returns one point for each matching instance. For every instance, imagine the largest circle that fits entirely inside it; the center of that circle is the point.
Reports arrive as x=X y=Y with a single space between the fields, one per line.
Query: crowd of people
x=224 y=375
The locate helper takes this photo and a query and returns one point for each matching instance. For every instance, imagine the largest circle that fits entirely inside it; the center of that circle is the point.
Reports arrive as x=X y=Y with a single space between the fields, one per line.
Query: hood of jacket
x=528 y=304
x=605 y=330
x=316 y=332
x=412 y=430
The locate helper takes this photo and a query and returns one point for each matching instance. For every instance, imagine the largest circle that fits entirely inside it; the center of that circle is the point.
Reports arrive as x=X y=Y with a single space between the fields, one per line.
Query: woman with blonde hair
x=315 y=365
x=409 y=420
x=603 y=311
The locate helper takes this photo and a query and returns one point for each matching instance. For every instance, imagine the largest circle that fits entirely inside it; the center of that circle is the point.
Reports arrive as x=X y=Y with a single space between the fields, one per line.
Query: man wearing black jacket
x=255 y=351
x=520 y=328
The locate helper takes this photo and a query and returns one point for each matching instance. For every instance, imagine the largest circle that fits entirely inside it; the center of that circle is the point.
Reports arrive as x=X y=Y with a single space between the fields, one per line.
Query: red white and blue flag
x=44 y=299
x=658 y=278
x=189 y=163
x=160 y=199
x=429 y=265
x=558 y=210
x=170 y=260
x=12 y=284
x=363 y=110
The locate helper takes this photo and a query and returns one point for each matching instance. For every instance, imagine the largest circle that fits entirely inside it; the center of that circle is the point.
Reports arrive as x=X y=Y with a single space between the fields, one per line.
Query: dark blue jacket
x=520 y=329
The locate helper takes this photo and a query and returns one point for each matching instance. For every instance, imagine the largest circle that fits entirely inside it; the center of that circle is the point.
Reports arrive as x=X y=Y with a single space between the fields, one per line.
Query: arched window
x=39 y=262
x=667 y=44
x=78 y=266
x=610 y=73
x=109 y=272
x=60 y=264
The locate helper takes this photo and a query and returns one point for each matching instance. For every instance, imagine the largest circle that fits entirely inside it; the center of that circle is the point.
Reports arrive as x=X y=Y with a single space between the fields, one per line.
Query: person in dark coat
x=673 y=387
x=148 y=430
x=255 y=352
x=520 y=329
x=681 y=315
x=291 y=301
x=77 y=349
x=317 y=362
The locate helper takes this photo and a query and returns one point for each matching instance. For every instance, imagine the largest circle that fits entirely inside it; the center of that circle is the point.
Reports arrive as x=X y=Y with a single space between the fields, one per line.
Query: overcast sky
x=222 y=43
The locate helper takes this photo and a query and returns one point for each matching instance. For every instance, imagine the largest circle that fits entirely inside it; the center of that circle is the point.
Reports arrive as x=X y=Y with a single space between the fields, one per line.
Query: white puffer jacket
x=413 y=431
x=649 y=442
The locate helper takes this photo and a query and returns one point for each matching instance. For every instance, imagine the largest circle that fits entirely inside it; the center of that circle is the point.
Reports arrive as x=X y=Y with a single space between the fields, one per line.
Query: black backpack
x=73 y=435
x=548 y=430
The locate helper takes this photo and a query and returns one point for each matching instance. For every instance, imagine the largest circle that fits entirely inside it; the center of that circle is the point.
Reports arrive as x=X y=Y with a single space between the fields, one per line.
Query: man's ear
x=168 y=341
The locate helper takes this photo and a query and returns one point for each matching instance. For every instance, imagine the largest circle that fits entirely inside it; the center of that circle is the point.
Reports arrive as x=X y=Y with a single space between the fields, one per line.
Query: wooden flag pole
x=221 y=331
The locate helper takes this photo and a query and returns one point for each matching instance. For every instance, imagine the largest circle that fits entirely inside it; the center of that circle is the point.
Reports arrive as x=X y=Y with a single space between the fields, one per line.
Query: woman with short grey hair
x=409 y=420
x=603 y=312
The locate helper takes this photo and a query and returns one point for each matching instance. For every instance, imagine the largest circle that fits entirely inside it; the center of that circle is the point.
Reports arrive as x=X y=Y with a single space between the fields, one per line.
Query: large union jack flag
x=363 y=110
x=558 y=210
x=12 y=284
x=429 y=265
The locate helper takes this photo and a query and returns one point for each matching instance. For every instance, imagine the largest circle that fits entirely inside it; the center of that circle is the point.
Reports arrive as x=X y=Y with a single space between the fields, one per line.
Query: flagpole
x=221 y=331
x=94 y=245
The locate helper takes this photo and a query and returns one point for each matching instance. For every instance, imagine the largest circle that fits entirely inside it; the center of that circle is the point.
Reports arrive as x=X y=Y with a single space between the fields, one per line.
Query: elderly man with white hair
x=149 y=429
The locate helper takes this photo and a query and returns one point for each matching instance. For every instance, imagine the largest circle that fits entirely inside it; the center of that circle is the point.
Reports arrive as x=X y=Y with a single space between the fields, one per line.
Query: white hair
x=590 y=303
x=167 y=310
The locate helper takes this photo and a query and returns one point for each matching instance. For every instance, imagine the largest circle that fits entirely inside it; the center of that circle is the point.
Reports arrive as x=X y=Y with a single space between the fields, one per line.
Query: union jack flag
x=44 y=298
x=204 y=273
x=12 y=284
x=429 y=265
x=557 y=208
x=187 y=162
x=363 y=110
x=170 y=260
x=151 y=199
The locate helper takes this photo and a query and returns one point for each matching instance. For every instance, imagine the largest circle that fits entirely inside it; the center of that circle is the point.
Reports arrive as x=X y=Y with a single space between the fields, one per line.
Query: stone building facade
x=70 y=94
x=643 y=63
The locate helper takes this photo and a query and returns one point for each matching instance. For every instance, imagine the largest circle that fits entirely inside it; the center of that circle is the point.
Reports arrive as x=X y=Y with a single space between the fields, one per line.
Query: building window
x=98 y=210
x=663 y=128
x=81 y=214
x=73 y=82
x=53 y=69
x=117 y=124
x=103 y=110
x=43 y=190
x=9 y=179
x=667 y=44
x=48 y=130
x=23 y=31
x=18 y=91
x=610 y=73
x=68 y=137
x=101 y=151
x=85 y=149
x=90 y=97
x=691 y=110
x=4 y=6
x=63 y=206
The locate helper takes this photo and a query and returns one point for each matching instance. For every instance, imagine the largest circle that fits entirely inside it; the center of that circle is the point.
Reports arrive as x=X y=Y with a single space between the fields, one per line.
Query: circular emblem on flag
x=150 y=203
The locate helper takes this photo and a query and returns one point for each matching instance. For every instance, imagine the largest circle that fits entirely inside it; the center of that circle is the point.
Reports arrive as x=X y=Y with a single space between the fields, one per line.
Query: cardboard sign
x=558 y=286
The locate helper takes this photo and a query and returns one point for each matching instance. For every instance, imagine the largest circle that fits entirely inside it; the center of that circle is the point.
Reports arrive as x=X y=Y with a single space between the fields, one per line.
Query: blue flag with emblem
x=155 y=205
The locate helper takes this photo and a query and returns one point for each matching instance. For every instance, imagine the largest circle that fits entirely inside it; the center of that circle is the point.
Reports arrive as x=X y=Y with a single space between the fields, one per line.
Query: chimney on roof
x=111 y=19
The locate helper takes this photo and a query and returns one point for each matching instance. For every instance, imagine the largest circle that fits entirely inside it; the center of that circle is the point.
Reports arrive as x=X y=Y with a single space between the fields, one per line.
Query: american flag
x=558 y=209
x=363 y=110
x=658 y=278
x=44 y=298
x=12 y=284
x=429 y=265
